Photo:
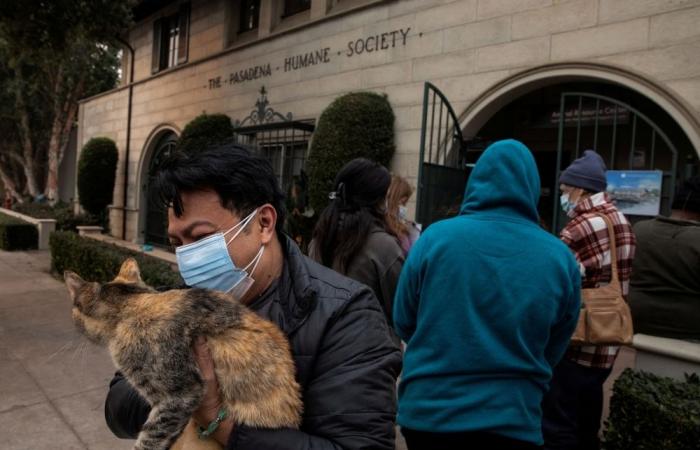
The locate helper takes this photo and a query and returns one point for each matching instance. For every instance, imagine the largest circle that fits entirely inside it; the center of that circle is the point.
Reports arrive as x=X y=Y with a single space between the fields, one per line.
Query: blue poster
x=636 y=192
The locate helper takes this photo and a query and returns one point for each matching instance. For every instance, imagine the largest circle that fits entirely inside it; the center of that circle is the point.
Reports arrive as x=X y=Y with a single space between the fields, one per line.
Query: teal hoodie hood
x=486 y=302
x=504 y=183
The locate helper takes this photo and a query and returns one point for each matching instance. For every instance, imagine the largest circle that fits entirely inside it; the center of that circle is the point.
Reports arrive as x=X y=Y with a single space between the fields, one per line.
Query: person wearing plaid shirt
x=573 y=407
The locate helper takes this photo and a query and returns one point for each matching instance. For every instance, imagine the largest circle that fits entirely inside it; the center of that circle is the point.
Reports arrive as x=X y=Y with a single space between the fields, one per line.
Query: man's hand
x=211 y=402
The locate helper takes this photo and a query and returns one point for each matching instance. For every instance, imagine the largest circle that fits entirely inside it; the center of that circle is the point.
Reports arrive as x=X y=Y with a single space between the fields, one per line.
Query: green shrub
x=36 y=210
x=205 y=130
x=16 y=234
x=97 y=170
x=99 y=261
x=648 y=412
x=355 y=125
x=63 y=214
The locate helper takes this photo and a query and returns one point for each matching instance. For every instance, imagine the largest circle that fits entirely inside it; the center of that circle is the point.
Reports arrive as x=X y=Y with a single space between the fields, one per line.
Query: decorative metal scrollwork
x=262 y=113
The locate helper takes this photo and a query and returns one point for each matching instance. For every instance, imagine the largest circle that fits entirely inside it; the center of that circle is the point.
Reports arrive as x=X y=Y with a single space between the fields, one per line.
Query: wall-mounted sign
x=588 y=115
x=367 y=44
x=636 y=192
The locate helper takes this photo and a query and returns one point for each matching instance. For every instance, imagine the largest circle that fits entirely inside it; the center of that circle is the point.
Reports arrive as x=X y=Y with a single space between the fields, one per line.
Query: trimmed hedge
x=62 y=213
x=359 y=124
x=99 y=261
x=97 y=170
x=205 y=130
x=36 y=210
x=16 y=234
x=648 y=412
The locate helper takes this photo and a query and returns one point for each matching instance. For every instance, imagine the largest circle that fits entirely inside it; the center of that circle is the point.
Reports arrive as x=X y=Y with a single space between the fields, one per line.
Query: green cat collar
x=213 y=425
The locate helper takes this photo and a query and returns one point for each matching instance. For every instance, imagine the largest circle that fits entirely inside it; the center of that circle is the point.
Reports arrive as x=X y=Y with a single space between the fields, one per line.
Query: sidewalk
x=53 y=381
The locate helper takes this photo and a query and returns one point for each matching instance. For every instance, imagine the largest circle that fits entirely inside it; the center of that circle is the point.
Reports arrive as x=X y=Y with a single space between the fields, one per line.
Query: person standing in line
x=486 y=303
x=573 y=406
x=225 y=218
x=352 y=236
x=397 y=214
x=665 y=287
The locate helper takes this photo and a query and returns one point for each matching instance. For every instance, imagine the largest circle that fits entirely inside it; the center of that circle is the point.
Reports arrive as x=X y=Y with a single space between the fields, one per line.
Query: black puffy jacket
x=346 y=364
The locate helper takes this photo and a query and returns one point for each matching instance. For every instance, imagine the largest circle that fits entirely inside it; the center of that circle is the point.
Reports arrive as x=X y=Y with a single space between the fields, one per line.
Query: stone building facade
x=214 y=56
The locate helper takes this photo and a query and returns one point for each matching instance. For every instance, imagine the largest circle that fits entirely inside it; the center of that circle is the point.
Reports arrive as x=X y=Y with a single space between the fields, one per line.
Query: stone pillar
x=270 y=11
x=45 y=228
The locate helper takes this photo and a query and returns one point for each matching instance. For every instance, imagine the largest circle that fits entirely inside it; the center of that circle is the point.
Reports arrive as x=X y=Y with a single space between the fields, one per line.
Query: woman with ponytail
x=352 y=236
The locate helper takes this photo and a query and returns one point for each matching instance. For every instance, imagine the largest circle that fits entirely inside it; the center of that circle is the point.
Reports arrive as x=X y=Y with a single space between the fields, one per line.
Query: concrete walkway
x=52 y=381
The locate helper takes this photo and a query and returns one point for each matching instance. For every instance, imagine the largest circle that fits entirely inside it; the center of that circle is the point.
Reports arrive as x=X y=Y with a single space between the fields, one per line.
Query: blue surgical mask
x=207 y=264
x=403 y=213
x=566 y=204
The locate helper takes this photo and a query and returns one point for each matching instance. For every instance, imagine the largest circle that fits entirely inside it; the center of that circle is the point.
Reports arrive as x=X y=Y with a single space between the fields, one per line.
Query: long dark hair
x=358 y=201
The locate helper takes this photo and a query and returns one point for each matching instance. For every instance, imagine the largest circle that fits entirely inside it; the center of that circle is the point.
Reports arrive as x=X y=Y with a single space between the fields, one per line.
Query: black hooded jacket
x=345 y=359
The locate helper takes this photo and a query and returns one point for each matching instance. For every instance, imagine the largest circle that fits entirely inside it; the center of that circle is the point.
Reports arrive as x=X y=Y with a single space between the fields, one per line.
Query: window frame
x=242 y=15
x=287 y=12
x=171 y=40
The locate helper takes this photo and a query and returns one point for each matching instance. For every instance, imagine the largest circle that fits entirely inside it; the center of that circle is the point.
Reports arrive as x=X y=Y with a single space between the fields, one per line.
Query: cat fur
x=150 y=336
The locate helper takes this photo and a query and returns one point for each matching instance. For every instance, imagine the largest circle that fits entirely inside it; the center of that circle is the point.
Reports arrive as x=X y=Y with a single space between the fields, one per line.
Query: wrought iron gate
x=156 y=231
x=443 y=169
x=625 y=138
x=280 y=139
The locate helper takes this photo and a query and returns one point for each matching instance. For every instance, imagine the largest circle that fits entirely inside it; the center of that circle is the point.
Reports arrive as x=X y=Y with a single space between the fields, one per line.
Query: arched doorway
x=558 y=111
x=156 y=214
x=558 y=122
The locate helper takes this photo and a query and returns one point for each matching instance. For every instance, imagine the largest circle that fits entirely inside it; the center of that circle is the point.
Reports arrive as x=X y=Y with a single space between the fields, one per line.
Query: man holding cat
x=226 y=214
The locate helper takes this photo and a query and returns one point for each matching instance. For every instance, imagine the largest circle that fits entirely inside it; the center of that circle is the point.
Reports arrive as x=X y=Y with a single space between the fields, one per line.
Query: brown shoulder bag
x=605 y=317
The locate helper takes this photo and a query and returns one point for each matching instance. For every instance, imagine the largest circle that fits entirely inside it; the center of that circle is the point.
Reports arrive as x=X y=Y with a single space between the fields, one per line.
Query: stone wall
x=462 y=46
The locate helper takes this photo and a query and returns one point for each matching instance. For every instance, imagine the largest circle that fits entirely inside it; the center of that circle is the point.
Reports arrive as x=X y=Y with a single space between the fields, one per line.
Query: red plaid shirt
x=587 y=236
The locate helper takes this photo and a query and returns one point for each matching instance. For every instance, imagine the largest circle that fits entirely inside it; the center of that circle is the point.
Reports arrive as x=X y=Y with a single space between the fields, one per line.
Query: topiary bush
x=205 y=130
x=16 y=234
x=99 y=261
x=359 y=124
x=648 y=412
x=97 y=169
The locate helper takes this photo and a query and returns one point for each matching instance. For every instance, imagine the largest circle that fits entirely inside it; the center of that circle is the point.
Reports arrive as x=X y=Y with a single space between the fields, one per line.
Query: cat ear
x=129 y=272
x=73 y=282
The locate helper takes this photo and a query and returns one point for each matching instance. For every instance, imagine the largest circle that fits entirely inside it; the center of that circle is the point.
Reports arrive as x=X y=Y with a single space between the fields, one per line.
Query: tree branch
x=10 y=185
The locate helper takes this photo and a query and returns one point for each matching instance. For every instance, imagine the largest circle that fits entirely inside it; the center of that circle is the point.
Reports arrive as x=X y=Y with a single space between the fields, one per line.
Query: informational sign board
x=636 y=192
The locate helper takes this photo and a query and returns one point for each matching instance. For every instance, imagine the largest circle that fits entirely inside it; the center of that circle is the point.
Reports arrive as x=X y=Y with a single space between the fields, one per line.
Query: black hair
x=687 y=197
x=243 y=180
x=357 y=203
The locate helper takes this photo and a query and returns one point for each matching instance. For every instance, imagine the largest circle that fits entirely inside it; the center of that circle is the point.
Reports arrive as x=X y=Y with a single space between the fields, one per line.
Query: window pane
x=174 y=43
x=296 y=6
x=165 y=43
x=169 y=42
x=250 y=11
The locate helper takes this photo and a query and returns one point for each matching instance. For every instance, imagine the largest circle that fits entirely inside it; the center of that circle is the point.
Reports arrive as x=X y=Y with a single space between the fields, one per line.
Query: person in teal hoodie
x=486 y=303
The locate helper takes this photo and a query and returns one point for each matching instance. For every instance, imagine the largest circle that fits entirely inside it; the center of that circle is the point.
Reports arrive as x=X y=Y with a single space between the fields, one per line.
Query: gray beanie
x=586 y=172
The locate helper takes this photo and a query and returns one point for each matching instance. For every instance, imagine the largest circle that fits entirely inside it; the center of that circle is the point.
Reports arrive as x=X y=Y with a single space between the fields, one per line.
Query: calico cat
x=150 y=335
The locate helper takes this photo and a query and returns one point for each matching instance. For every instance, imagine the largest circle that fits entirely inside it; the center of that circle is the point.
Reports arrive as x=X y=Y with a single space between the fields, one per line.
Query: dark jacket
x=378 y=265
x=346 y=365
x=665 y=287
